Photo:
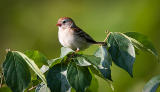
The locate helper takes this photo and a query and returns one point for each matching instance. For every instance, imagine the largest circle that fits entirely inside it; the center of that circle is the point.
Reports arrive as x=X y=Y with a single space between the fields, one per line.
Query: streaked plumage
x=72 y=36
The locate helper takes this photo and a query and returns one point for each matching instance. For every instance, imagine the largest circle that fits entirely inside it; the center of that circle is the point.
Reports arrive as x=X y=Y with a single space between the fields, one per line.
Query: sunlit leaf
x=33 y=66
x=81 y=61
x=152 y=85
x=44 y=68
x=106 y=61
x=38 y=57
x=96 y=71
x=56 y=78
x=53 y=62
x=94 y=85
x=122 y=51
x=79 y=77
x=91 y=59
x=65 y=51
x=16 y=72
x=141 y=41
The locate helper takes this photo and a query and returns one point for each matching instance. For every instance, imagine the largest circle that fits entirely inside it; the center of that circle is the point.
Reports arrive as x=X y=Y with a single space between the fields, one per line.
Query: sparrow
x=71 y=36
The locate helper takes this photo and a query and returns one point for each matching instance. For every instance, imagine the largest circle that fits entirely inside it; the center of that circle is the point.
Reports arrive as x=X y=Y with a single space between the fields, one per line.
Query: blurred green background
x=30 y=25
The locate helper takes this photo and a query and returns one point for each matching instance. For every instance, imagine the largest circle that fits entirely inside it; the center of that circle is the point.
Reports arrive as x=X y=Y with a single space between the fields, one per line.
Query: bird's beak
x=58 y=24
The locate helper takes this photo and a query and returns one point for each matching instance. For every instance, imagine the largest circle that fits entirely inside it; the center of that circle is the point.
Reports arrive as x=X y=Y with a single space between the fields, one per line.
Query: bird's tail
x=101 y=43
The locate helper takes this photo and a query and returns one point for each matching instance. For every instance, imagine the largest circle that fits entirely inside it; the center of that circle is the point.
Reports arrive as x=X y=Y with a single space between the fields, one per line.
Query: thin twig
x=33 y=87
x=69 y=57
x=108 y=33
x=1 y=82
x=8 y=50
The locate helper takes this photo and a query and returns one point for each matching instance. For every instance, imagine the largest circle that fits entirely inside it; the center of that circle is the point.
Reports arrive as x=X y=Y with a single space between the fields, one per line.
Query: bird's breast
x=66 y=37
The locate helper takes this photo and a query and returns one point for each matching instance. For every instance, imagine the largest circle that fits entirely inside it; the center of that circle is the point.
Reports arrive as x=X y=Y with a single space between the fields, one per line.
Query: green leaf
x=5 y=89
x=79 y=77
x=38 y=57
x=152 y=85
x=90 y=58
x=55 y=61
x=56 y=78
x=65 y=51
x=122 y=51
x=81 y=61
x=94 y=85
x=33 y=66
x=16 y=72
x=141 y=41
x=96 y=71
x=42 y=88
x=106 y=61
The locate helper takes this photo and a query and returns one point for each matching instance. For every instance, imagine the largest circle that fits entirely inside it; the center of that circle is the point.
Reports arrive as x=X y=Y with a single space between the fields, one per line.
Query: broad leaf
x=42 y=88
x=65 y=51
x=81 y=61
x=141 y=41
x=56 y=78
x=55 y=61
x=38 y=57
x=16 y=72
x=33 y=66
x=122 y=51
x=90 y=59
x=106 y=61
x=79 y=77
x=152 y=85
x=94 y=85
x=65 y=54
x=96 y=71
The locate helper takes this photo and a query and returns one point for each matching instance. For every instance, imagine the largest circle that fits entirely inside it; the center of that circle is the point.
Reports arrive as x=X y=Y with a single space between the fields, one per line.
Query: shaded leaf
x=96 y=71
x=42 y=88
x=16 y=72
x=106 y=61
x=141 y=42
x=56 y=78
x=33 y=66
x=122 y=51
x=79 y=77
x=38 y=57
x=152 y=85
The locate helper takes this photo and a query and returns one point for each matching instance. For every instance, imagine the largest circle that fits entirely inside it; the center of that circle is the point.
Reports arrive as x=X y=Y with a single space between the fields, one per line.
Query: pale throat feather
x=66 y=37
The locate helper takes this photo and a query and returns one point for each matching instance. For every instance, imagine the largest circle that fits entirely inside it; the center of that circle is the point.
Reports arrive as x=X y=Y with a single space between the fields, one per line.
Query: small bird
x=72 y=36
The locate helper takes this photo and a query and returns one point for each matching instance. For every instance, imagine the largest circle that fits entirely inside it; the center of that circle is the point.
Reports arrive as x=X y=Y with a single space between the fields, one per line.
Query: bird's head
x=65 y=22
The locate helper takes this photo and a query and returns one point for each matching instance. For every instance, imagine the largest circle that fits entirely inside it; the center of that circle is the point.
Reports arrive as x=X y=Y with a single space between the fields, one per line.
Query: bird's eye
x=64 y=21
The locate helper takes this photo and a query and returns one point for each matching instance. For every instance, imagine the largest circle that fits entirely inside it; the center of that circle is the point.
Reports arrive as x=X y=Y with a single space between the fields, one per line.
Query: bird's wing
x=83 y=34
